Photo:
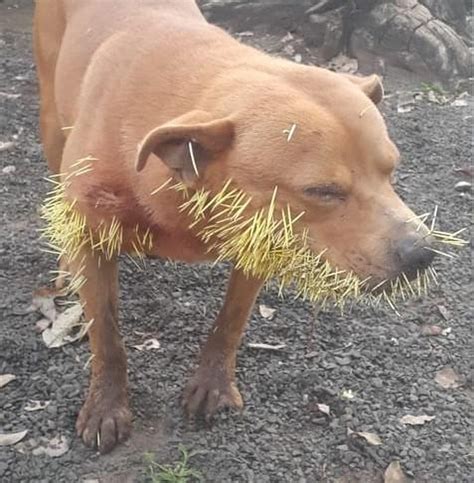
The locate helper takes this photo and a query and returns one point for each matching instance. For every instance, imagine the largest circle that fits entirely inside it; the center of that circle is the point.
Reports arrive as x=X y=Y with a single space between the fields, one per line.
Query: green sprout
x=178 y=472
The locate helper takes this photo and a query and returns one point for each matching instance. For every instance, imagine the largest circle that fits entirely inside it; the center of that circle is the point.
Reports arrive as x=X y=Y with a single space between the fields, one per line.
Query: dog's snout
x=414 y=253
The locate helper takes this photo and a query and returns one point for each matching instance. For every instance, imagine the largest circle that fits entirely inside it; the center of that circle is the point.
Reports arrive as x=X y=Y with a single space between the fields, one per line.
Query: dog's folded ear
x=371 y=86
x=187 y=144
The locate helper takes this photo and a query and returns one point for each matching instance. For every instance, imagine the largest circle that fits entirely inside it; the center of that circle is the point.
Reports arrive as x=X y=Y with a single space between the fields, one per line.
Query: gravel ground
x=281 y=436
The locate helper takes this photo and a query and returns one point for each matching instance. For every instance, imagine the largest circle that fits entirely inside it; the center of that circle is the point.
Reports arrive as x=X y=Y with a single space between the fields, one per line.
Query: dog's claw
x=208 y=392
x=104 y=422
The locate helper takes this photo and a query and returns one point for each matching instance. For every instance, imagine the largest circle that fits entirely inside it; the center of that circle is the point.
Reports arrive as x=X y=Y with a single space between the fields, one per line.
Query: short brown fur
x=130 y=83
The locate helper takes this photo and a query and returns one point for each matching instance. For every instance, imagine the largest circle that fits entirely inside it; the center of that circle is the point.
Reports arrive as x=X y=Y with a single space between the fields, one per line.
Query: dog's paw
x=209 y=391
x=104 y=422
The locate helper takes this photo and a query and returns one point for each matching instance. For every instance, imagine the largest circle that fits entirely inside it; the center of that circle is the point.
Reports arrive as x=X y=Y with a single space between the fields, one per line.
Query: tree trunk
x=427 y=37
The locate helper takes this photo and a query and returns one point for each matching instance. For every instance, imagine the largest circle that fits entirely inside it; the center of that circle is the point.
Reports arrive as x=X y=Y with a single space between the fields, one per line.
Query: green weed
x=179 y=472
x=427 y=87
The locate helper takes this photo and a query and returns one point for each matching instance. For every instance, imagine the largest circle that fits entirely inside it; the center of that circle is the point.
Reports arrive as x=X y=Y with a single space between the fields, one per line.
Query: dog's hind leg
x=213 y=385
x=105 y=418
x=48 y=31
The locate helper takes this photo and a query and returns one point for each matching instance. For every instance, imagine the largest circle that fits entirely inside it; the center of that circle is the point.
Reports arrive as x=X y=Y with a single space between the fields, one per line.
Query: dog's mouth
x=401 y=286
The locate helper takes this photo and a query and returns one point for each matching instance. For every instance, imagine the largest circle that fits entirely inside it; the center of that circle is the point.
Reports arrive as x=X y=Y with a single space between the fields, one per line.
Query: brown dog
x=134 y=83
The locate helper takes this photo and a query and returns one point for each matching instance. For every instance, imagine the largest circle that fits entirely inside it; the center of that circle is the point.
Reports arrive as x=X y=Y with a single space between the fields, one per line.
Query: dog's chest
x=118 y=219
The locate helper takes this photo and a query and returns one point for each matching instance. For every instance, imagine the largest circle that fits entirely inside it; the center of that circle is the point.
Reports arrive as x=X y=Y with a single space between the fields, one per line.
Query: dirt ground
x=281 y=436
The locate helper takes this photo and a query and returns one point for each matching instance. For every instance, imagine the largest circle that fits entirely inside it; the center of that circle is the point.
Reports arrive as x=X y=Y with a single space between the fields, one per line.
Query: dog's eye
x=326 y=193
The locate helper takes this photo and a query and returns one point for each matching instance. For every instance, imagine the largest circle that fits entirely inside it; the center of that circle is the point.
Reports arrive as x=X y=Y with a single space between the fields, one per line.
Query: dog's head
x=319 y=137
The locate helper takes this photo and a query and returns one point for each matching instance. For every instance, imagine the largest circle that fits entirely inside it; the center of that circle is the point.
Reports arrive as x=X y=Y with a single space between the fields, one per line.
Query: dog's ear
x=371 y=86
x=187 y=144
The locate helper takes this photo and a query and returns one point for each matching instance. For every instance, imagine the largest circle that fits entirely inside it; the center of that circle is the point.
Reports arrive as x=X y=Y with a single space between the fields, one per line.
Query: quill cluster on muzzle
x=267 y=244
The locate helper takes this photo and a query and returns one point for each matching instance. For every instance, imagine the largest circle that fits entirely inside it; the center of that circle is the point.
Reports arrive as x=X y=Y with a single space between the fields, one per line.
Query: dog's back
x=67 y=36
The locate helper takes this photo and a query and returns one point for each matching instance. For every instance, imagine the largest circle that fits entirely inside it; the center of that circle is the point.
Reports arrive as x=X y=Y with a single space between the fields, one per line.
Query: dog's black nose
x=414 y=253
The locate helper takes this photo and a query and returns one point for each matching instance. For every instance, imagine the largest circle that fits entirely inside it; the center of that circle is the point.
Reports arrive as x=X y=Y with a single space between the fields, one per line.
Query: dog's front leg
x=213 y=385
x=105 y=418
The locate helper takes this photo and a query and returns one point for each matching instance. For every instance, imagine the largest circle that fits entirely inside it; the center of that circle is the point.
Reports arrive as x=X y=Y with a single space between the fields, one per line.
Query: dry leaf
x=35 y=405
x=404 y=108
x=287 y=38
x=394 y=473
x=466 y=171
x=42 y=325
x=9 y=96
x=54 y=448
x=5 y=146
x=269 y=347
x=431 y=330
x=6 y=378
x=247 y=33
x=446 y=331
x=148 y=345
x=447 y=378
x=43 y=301
x=463 y=186
x=59 y=333
x=324 y=408
x=436 y=98
x=12 y=438
x=459 y=103
x=266 y=312
x=10 y=169
x=416 y=420
x=371 y=438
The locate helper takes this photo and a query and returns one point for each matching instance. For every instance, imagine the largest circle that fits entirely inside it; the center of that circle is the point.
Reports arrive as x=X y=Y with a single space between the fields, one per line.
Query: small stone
x=377 y=382
x=289 y=49
x=52 y=409
x=51 y=424
x=466 y=85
